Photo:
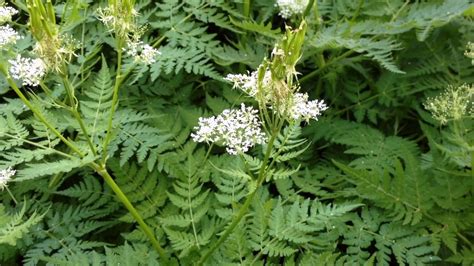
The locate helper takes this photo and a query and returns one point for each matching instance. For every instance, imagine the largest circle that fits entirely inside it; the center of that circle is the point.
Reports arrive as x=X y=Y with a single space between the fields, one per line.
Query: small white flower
x=6 y=13
x=5 y=177
x=29 y=71
x=302 y=109
x=238 y=130
x=248 y=83
x=142 y=52
x=453 y=104
x=289 y=8
x=8 y=36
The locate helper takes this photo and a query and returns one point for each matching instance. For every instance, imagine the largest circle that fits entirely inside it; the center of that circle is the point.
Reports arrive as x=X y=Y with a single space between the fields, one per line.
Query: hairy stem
x=102 y=171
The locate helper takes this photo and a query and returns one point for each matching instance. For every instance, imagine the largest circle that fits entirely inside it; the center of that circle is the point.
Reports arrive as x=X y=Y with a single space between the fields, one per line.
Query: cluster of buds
x=453 y=104
x=272 y=84
x=120 y=17
x=55 y=49
x=238 y=130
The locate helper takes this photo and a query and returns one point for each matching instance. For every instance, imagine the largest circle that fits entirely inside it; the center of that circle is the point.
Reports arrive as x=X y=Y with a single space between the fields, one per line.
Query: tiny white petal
x=8 y=36
x=142 y=52
x=29 y=71
x=291 y=7
x=6 y=13
x=238 y=130
x=5 y=177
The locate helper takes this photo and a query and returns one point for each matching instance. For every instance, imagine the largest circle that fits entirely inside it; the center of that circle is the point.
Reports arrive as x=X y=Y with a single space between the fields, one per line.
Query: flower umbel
x=5 y=177
x=238 y=130
x=142 y=52
x=8 y=36
x=29 y=71
x=289 y=8
x=249 y=83
x=6 y=13
x=302 y=109
x=452 y=104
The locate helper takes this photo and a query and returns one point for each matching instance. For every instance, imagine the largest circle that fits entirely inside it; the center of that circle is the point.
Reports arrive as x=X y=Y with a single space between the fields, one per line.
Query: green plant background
x=381 y=182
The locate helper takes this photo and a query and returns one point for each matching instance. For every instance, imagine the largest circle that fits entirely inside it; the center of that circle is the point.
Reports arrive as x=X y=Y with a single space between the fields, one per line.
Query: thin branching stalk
x=39 y=114
x=246 y=205
x=118 y=81
x=75 y=113
x=102 y=171
x=246 y=8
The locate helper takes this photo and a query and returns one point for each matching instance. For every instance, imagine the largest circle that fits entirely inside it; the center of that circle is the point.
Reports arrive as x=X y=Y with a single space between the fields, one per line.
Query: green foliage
x=14 y=227
x=376 y=181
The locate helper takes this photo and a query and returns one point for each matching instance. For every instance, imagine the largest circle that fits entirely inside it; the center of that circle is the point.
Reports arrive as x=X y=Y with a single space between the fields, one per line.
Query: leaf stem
x=38 y=113
x=244 y=208
x=118 y=81
x=319 y=70
x=102 y=171
x=246 y=8
x=75 y=113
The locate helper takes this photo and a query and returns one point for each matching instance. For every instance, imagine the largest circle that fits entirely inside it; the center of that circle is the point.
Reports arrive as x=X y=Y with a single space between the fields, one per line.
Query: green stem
x=319 y=70
x=39 y=115
x=359 y=7
x=102 y=171
x=246 y=8
x=118 y=80
x=472 y=173
x=244 y=208
x=308 y=8
x=75 y=113
x=11 y=195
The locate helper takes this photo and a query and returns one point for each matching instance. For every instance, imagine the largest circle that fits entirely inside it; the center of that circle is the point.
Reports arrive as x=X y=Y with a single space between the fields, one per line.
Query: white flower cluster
x=5 y=177
x=142 y=52
x=248 y=83
x=8 y=36
x=294 y=106
x=29 y=71
x=302 y=109
x=238 y=130
x=289 y=8
x=6 y=13
x=453 y=104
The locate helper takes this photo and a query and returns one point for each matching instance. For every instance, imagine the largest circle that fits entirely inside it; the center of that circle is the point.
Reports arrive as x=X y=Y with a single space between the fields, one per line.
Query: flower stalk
x=102 y=171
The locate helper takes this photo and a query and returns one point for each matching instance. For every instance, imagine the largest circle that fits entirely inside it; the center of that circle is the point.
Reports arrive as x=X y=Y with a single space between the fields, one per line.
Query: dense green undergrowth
x=107 y=172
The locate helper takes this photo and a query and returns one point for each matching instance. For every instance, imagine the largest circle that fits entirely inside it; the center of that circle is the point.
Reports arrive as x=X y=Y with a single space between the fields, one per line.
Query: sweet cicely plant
x=274 y=123
x=57 y=56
